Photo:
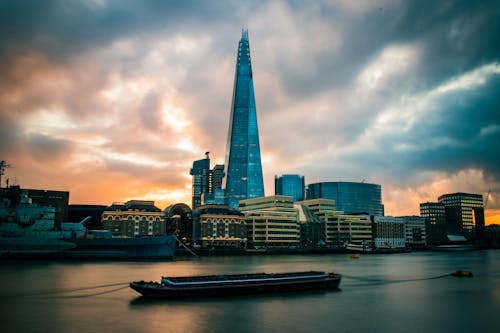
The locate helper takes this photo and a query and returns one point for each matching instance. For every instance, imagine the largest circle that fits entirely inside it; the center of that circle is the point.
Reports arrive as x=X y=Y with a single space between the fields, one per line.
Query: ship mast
x=3 y=166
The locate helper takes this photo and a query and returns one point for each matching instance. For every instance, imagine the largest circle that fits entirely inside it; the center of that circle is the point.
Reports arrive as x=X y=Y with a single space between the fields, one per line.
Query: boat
x=461 y=273
x=236 y=284
x=27 y=231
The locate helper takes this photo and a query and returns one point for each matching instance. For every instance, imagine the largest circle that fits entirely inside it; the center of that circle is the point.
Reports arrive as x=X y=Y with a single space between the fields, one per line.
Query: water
x=379 y=293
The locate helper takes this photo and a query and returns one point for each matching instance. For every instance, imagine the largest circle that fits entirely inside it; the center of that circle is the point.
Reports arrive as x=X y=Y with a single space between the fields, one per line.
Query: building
x=243 y=163
x=350 y=197
x=388 y=232
x=291 y=185
x=272 y=222
x=435 y=221
x=312 y=228
x=464 y=214
x=415 y=231
x=206 y=181
x=342 y=231
x=216 y=226
x=134 y=218
x=46 y=198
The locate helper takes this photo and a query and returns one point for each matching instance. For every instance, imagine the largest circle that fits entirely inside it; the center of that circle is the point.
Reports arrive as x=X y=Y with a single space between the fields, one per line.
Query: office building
x=435 y=222
x=312 y=228
x=272 y=222
x=342 y=231
x=415 y=231
x=350 y=197
x=388 y=232
x=206 y=181
x=464 y=214
x=291 y=185
x=243 y=173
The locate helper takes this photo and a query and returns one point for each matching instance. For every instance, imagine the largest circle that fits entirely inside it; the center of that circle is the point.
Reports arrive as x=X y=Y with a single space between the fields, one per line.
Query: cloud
x=129 y=93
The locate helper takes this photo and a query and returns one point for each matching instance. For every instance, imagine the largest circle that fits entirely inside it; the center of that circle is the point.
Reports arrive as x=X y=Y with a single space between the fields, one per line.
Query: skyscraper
x=205 y=181
x=243 y=164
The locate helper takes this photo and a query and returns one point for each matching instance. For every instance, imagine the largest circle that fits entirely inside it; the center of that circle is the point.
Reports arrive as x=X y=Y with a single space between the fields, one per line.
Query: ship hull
x=150 y=247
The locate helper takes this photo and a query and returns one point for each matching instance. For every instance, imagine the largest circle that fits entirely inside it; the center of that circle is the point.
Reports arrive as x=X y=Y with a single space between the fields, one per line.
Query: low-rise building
x=216 y=226
x=272 y=222
x=415 y=231
x=388 y=232
x=134 y=218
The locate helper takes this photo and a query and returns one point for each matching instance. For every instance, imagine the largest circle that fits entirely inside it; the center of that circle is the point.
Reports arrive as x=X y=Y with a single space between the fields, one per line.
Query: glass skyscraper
x=292 y=185
x=243 y=164
x=350 y=197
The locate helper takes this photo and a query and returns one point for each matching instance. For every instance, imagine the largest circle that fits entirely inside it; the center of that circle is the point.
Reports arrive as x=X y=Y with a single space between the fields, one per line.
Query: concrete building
x=435 y=221
x=217 y=226
x=272 y=222
x=415 y=231
x=134 y=218
x=312 y=228
x=388 y=232
x=342 y=231
x=464 y=214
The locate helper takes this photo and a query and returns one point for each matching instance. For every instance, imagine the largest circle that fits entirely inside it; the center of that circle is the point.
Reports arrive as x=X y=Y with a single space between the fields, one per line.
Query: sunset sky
x=114 y=100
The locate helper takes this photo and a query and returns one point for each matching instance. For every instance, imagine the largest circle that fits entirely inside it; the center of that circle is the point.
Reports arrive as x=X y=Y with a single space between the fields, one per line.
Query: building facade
x=415 y=231
x=388 y=232
x=312 y=228
x=342 y=231
x=350 y=197
x=206 y=181
x=134 y=218
x=216 y=226
x=291 y=185
x=243 y=168
x=272 y=222
x=464 y=214
x=435 y=221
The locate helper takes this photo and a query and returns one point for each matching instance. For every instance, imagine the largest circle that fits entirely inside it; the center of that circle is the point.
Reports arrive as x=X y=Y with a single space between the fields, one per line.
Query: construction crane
x=486 y=200
x=3 y=166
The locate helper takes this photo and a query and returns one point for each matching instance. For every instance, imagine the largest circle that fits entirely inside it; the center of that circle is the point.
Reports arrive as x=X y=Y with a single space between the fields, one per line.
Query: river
x=410 y=292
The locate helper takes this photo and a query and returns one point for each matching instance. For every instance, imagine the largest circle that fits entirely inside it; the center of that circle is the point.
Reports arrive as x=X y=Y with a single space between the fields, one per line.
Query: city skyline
x=114 y=101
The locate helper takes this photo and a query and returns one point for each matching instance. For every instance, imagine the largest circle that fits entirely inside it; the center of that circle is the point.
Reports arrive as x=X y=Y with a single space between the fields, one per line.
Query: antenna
x=3 y=166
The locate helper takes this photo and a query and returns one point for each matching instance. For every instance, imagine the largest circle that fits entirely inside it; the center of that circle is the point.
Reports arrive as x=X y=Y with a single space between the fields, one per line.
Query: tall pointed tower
x=243 y=167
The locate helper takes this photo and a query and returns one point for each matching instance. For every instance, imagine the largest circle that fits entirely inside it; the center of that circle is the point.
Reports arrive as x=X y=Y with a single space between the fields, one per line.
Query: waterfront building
x=415 y=232
x=341 y=230
x=350 y=197
x=272 y=222
x=243 y=173
x=206 y=181
x=435 y=221
x=134 y=218
x=46 y=198
x=292 y=185
x=388 y=232
x=312 y=228
x=216 y=226
x=464 y=214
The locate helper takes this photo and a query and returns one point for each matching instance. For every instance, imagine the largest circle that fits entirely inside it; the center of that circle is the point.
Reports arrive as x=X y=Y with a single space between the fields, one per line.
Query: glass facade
x=351 y=198
x=292 y=185
x=243 y=163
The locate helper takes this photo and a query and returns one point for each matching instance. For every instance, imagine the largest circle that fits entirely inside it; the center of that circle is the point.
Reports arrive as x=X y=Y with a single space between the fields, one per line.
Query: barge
x=236 y=284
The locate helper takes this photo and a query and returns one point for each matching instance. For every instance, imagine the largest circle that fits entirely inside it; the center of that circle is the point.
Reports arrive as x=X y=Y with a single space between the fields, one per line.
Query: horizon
x=113 y=102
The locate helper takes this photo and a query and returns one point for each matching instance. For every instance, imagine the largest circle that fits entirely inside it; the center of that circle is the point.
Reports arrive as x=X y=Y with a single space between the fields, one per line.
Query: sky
x=114 y=100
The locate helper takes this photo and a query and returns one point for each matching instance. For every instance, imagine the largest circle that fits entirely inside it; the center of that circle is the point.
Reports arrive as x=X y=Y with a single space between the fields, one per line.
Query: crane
x=486 y=200
x=3 y=166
